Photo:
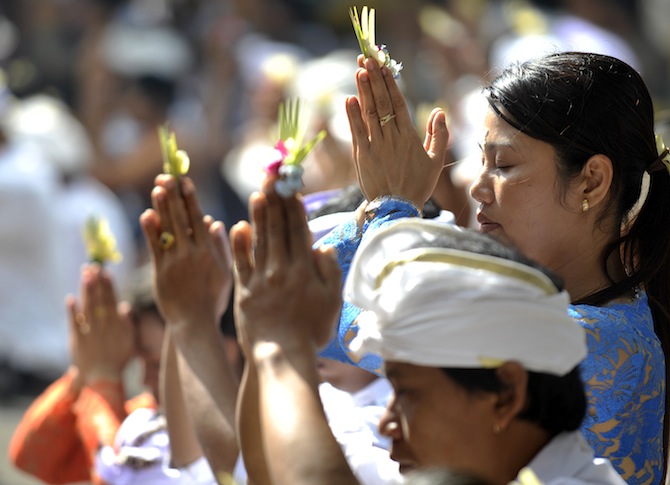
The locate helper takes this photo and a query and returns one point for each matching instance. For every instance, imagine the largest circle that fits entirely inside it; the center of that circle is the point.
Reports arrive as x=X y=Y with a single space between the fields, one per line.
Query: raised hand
x=285 y=291
x=102 y=337
x=390 y=158
x=190 y=254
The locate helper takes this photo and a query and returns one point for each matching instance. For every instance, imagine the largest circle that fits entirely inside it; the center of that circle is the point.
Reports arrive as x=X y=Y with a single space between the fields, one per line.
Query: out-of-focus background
x=85 y=83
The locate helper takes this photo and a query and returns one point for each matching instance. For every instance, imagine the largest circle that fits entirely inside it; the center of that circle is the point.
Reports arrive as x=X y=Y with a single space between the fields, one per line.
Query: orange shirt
x=62 y=430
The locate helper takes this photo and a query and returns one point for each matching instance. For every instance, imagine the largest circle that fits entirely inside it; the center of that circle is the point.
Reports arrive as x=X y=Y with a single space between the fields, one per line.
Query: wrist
x=76 y=379
x=388 y=204
x=109 y=375
x=273 y=352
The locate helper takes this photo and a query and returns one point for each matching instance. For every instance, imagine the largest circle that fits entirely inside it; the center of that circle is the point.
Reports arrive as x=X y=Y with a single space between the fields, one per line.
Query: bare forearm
x=300 y=448
x=210 y=391
x=184 y=445
x=249 y=430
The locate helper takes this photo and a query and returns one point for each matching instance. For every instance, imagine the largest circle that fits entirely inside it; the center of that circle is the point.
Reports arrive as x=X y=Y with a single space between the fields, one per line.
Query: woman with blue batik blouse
x=567 y=142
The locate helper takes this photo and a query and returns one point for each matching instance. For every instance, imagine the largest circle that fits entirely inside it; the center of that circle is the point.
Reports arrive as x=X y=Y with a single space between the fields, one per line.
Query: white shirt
x=141 y=455
x=354 y=421
x=568 y=460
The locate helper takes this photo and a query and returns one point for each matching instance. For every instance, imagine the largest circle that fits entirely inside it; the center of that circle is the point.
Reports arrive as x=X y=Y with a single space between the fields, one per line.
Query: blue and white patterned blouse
x=624 y=371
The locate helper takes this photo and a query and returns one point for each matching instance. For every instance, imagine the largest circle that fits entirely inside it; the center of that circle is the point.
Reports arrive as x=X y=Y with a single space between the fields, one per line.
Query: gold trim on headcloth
x=503 y=267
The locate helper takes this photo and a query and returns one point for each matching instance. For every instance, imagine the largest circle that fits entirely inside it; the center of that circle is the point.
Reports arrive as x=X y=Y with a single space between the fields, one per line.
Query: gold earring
x=585 y=205
x=496 y=428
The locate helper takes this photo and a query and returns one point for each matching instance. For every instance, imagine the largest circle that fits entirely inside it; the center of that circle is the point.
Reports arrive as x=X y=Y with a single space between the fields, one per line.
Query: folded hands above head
x=390 y=158
x=286 y=292
x=101 y=335
x=190 y=255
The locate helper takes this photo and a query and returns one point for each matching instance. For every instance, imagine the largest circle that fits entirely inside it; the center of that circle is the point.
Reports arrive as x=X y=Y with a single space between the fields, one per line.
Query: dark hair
x=475 y=242
x=585 y=104
x=555 y=403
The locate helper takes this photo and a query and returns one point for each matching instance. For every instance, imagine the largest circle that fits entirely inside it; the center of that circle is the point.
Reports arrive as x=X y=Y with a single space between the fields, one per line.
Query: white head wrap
x=442 y=307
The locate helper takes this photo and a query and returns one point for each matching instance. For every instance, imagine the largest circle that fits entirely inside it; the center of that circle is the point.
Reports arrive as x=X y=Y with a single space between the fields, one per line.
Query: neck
x=515 y=447
x=582 y=270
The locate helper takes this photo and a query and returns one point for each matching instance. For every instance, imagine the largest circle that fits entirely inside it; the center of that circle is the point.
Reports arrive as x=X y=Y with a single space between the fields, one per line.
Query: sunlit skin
x=521 y=202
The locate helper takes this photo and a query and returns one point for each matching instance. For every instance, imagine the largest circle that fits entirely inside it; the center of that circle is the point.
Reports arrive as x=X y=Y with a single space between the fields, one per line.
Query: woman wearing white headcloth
x=476 y=342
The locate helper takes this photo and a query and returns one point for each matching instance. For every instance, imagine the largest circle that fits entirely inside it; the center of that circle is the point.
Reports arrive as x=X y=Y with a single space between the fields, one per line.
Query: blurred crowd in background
x=85 y=83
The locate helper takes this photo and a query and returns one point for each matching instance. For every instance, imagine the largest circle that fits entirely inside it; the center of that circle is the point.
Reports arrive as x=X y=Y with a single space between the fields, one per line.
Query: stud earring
x=496 y=428
x=585 y=205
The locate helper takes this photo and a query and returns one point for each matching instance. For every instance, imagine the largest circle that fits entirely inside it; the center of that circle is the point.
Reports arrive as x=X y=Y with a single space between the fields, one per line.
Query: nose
x=389 y=424
x=481 y=189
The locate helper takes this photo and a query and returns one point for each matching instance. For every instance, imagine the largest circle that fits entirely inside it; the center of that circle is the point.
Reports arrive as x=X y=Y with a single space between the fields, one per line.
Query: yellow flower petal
x=99 y=241
x=175 y=161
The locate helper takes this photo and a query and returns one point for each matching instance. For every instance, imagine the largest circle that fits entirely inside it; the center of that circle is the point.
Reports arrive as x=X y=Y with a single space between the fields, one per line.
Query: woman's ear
x=511 y=400
x=596 y=179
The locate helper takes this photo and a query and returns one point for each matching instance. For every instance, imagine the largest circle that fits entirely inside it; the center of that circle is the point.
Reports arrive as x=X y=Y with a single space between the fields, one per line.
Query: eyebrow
x=488 y=146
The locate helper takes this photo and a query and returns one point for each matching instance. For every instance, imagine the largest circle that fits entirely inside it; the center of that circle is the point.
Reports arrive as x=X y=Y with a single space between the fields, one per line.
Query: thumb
x=328 y=268
x=437 y=135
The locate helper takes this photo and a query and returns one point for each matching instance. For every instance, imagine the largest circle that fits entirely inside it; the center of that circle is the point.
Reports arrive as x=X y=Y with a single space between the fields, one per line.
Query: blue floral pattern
x=624 y=374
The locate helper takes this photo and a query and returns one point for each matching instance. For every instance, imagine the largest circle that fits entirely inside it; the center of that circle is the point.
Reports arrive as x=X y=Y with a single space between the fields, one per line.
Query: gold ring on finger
x=385 y=119
x=167 y=240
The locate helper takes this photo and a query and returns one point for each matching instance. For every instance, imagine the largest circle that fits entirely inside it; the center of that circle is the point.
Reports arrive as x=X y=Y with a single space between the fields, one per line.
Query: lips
x=486 y=224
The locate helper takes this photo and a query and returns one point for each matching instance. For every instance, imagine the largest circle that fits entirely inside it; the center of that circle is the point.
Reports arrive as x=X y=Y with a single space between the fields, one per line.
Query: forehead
x=401 y=371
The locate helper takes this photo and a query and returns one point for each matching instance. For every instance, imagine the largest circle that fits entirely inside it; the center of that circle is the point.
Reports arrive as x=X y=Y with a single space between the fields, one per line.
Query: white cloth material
x=33 y=320
x=441 y=307
x=141 y=454
x=354 y=421
x=568 y=460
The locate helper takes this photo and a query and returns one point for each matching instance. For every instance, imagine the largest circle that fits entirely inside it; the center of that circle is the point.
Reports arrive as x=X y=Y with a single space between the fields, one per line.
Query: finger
x=276 y=236
x=150 y=224
x=439 y=135
x=360 y=59
x=88 y=292
x=299 y=235
x=240 y=242
x=380 y=93
x=195 y=217
x=181 y=227
x=107 y=296
x=259 y=240
x=359 y=131
x=368 y=105
x=218 y=236
x=207 y=221
x=329 y=268
x=159 y=199
x=72 y=310
x=397 y=100
x=125 y=312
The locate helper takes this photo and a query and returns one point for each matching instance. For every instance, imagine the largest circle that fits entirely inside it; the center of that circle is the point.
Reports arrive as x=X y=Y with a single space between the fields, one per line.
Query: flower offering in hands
x=290 y=150
x=99 y=241
x=364 y=27
x=175 y=161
